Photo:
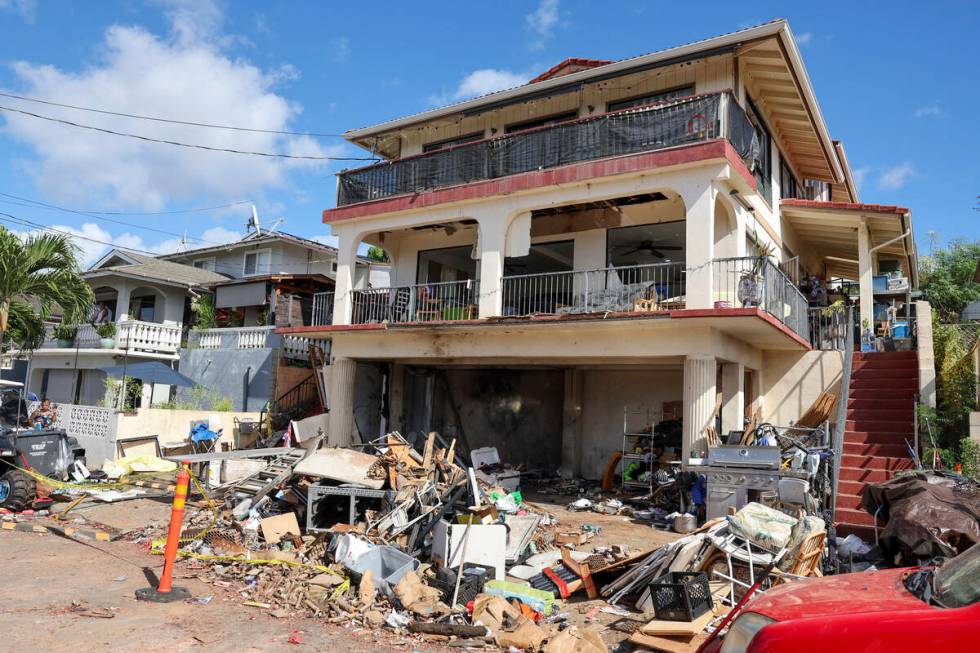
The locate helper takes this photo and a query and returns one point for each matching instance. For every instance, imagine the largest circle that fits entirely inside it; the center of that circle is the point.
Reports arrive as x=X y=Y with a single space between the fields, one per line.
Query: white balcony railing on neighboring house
x=296 y=347
x=135 y=336
x=258 y=337
x=323 y=308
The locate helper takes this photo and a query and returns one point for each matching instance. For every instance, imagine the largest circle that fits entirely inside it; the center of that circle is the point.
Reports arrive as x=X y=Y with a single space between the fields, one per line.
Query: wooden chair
x=807 y=561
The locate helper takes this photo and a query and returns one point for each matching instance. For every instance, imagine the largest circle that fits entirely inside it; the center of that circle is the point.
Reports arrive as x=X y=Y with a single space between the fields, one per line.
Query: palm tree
x=38 y=274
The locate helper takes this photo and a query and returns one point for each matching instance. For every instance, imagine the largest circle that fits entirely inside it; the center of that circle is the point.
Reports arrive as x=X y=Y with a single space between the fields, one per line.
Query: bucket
x=900 y=330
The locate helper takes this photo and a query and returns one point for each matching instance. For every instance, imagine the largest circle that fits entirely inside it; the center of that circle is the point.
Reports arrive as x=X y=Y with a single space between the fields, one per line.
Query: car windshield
x=956 y=581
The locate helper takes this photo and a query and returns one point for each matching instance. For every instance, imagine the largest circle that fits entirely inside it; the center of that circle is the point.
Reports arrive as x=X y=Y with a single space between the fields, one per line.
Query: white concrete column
x=341 y=401
x=865 y=274
x=492 y=247
x=122 y=301
x=348 y=241
x=927 y=357
x=732 y=397
x=699 y=203
x=700 y=373
x=173 y=307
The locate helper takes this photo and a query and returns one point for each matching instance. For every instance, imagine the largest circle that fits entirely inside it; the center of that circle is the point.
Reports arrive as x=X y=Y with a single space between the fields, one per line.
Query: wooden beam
x=566 y=223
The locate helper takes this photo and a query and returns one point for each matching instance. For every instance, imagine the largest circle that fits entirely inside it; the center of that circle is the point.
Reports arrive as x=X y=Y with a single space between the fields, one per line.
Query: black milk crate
x=681 y=596
x=474 y=577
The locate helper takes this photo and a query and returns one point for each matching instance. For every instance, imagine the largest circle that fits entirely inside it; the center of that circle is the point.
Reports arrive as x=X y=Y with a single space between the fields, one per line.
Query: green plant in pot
x=65 y=334
x=107 y=334
x=751 y=286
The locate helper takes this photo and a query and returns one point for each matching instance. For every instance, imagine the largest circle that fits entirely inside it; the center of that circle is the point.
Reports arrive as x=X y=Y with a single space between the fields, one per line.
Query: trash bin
x=387 y=564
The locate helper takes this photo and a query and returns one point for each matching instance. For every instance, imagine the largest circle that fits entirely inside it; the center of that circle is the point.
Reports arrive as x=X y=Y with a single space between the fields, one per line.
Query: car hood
x=866 y=591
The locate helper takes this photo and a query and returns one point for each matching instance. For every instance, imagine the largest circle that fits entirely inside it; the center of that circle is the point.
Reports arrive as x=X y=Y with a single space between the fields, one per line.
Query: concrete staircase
x=880 y=418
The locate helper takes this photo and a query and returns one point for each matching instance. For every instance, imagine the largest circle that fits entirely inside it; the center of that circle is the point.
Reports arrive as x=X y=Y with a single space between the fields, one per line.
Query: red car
x=866 y=611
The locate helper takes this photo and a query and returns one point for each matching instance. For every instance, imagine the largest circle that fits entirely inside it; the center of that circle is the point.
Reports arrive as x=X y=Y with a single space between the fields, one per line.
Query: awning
x=151 y=372
x=245 y=294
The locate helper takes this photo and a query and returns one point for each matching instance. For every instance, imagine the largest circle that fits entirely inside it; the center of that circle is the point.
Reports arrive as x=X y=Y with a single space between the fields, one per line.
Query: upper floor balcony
x=686 y=121
x=131 y=337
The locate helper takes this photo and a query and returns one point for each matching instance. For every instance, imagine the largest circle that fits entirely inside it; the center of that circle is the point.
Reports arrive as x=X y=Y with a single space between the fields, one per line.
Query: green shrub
x=64 y=332
x=106 y=330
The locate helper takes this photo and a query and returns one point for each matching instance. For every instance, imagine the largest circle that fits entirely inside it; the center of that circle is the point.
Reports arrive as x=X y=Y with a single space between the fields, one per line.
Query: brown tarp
x=927 y=514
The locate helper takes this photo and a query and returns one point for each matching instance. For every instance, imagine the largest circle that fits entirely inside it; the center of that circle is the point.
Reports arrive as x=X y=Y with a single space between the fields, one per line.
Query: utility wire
x=170 y=120
x=201 y=209
x=33 y=204
x=189 y=145
x=13 y=219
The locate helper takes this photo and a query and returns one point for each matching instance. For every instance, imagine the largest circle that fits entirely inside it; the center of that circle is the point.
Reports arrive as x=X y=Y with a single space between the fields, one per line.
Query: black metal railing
x=685 y=121
x=446 y=301
x=635 y=288
x=758 y=282
x=829 y=329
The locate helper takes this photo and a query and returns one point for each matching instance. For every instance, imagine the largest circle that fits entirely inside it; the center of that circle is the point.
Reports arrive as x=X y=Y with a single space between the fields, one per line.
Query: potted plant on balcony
x=64 y=334
x=751 y=286
x=107 y=334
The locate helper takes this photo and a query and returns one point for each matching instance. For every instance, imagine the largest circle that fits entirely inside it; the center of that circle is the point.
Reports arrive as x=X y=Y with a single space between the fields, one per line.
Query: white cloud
x=928 y=111
x=804 y=38
x=859 y=175
x=187 y=76
x=541 y=22
x=488 y=80
x=896 y=177
x=341 y=49
x=27 y=9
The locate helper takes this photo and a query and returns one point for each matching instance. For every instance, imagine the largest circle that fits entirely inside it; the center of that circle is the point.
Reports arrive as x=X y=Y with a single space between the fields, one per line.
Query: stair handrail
x=297 y=390
x=845 y=391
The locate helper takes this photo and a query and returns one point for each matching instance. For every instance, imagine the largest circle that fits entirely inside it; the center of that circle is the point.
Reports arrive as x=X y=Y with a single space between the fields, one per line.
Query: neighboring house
x=568 y=254
x=269 y=279
x=148 y=299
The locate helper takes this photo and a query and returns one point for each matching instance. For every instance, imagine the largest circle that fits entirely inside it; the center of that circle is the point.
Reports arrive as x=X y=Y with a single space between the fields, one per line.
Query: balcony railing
x=322 y=308
x=758 y=282
x=682 y=122
x=829 y=329
x=259 y=337
x=604 y=290
x=131 y=335
x=428 y=302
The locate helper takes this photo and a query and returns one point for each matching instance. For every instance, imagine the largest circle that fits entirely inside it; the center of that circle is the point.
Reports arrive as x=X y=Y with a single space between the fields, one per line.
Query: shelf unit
x=632 y=440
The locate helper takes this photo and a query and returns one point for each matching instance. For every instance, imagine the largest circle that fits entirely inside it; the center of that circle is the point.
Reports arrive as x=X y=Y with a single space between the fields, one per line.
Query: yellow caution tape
x=124 y=481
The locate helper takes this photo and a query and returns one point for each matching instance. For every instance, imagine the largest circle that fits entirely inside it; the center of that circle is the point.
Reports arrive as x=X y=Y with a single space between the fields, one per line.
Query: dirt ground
x=52 y=587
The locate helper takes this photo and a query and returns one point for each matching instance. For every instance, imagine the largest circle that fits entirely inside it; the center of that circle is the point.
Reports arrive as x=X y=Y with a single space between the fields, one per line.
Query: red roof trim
x=571 y=61
x=846 y=206
x=537 y=319
x=716 y=149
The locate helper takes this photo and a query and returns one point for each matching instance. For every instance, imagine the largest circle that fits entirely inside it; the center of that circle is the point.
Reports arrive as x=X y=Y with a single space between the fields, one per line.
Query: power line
x=170 y=120
x=28 y=203
x=189 y=145
x=201 y=209
x=27 y=223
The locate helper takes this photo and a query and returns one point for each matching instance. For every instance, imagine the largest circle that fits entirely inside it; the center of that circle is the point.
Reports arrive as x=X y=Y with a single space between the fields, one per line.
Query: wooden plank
x=668 y=644
x=674 y=628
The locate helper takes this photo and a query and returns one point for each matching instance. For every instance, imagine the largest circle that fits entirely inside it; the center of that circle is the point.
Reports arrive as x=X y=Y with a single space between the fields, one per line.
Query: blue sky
x=897 y=83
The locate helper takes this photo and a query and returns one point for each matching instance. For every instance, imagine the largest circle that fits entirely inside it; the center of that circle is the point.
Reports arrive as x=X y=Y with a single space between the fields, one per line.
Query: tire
x=21 y=490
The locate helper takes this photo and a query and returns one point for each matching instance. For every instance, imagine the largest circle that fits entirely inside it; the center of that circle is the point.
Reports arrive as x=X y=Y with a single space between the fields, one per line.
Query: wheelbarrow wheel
x=17 y=490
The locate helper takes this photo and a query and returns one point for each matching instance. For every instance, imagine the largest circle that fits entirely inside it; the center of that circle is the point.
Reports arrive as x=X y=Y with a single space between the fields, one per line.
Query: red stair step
x=880 y=404
x=884 y=355
x=880 y=426
x=857 y=474
x=848 y=502
x=862 y=373
x=894 y=385
x=904 y=414
x=872 y=449
x=896 y=394
x=854 y=517
x=875 y=437
x=886 y=463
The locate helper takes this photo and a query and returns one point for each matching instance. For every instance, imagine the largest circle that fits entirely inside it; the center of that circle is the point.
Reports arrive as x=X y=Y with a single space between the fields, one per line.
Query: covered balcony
x=686 y=121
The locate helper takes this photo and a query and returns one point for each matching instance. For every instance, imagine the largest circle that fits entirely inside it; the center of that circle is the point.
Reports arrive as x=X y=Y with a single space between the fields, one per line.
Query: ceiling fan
x=648 y=246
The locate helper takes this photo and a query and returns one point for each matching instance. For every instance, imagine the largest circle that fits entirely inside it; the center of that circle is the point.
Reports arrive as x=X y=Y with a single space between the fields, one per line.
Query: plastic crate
x=681 y=596
x=474 y=577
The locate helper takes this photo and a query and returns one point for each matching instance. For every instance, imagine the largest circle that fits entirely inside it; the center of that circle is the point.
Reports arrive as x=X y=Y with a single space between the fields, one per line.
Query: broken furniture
x=491 y=471
x=318 y=494
x=258 y=485
x=481 y=544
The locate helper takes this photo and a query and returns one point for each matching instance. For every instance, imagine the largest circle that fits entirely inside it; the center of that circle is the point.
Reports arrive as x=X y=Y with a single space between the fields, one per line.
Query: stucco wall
x=224 y=370
x=604 y=395
x=174 y=425
x=791 y=382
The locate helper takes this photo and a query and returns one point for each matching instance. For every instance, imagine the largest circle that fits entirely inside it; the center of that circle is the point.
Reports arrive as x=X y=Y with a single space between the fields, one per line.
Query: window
x=205 y=263
x=540 y=122
x=789 y=187
x=333 y=266
x=450 y=142
x=653 y=98
x=663 y=242
x=763 y=168
x=257 y=262
x=445 y=264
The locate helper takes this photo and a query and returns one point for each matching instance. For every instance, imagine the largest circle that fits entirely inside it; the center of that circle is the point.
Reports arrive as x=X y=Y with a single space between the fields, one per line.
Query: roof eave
x=624 y=66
